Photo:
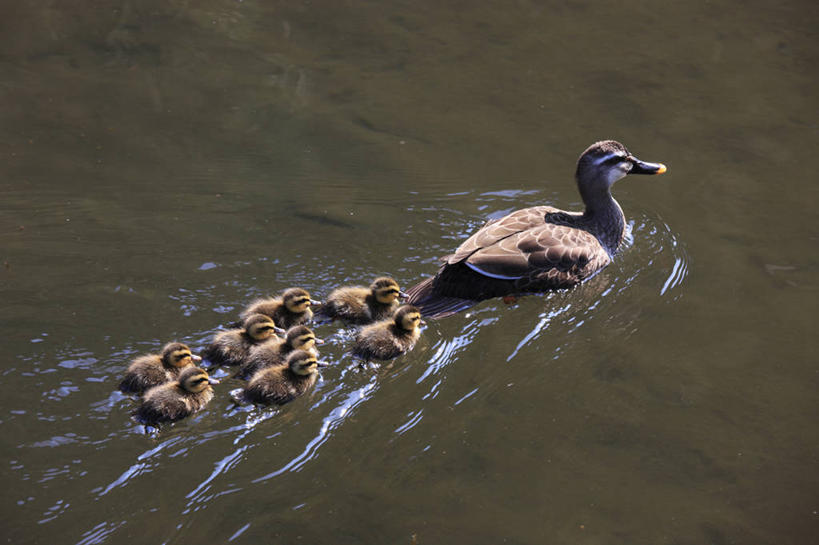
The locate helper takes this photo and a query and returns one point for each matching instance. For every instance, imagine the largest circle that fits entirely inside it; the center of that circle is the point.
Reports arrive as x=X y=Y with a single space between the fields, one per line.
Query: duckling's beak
x=212 y=380
x=196 y=358
x=279 y=331
x=318 y=341
x=422 y=322
x=642 y=167
x=322 y=364
x=314 y=302
x=403 y=295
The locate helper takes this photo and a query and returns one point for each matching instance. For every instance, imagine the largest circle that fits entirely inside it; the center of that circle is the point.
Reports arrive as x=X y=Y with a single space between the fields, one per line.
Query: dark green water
x=162 y=163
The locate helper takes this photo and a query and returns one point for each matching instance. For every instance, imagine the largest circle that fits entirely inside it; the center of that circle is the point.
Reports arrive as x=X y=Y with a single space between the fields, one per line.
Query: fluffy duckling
x=175 y=400
x=284 y=383
x=362 y=305
x=233 y=346
x=154 y=369
x=389 y=338
x=292 y=308
x=274 y=353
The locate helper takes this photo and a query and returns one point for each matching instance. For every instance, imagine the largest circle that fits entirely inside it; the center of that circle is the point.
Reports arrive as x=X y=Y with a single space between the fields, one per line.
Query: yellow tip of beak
x=662 y=169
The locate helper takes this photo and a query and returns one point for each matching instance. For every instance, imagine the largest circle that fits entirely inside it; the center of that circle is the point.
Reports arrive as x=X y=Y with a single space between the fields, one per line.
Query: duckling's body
x=233 y=346
x=175 y=400
x=292 y=308
x=283 y=383
x=275 y=353
x=389 y=338
x=540 y=248
x=151 y=370
x=362 y=305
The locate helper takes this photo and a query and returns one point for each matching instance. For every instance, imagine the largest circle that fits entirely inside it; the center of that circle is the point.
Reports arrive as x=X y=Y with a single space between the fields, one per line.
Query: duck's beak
x=318 y=341
x=403 y=295
x=422 y=322
x=196 y=358
x=279 y=331
x=642 y=167
x=212 y=380
x=314 y=302
x=322 y=364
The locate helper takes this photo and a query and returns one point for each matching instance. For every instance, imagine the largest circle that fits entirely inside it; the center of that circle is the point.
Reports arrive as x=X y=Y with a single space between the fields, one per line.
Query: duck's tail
x=434 y=306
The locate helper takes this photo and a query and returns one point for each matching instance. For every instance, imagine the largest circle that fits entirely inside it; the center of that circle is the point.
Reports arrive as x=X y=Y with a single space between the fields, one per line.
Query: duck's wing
x=495 y=231
x=548 y=250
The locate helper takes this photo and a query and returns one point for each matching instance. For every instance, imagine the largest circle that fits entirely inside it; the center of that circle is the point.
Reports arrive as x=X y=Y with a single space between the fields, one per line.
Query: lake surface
x=163 y=163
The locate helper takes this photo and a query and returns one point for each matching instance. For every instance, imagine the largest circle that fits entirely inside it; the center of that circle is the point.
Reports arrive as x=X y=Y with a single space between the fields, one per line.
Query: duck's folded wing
x=539 y=252
x=496 y=230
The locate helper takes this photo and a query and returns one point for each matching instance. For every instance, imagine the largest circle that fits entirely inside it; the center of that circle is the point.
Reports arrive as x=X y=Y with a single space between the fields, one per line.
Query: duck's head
x=301 y=336
x=407 y=317
x=297 y=300
x=386 y=290
x=260 y=327
x=304 y=363
x=178 y=355
x=605 y=162
x=195 y=380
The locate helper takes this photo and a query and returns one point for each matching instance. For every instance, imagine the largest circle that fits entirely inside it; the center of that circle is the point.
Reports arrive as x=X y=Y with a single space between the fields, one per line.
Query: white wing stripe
x=491 y=275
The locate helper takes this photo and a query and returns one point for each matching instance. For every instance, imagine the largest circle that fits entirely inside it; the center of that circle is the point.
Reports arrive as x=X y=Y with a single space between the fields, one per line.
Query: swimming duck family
x=291 y=308
x=153 y=369
x=233 y=346
x=535 y=249
x=283 y=383
x=389 y=338
x=540 y=248
x=360 y=304
x=275 y=352
x=177 y=399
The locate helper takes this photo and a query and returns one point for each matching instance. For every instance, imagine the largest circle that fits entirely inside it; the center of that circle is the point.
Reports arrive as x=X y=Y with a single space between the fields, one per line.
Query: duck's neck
x=605 y=218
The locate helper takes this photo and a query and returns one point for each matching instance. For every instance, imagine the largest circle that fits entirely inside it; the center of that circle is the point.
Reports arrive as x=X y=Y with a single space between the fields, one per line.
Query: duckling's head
x=195 y=380
x=386 y=290
x=304 y=363
x=297 y=300
x=605 y=162
x=260 y=327
x=178 y=355
x=407 y=317
x=301 y=336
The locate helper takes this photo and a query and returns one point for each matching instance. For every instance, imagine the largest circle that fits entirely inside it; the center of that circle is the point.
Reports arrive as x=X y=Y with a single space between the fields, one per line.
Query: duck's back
x=144 y=373
x=347 y=304
x=382 y=341
x=229 y=347
x=533 y=249
x=262 y=356
x=277 y=385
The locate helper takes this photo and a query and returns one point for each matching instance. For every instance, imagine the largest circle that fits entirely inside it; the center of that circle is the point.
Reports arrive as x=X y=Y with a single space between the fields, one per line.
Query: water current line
x=330 y=423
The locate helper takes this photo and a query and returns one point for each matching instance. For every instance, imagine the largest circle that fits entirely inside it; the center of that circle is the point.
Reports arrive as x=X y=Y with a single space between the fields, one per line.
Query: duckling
x=274 y=353
x=153 y=369
x=232 y=347
x=540 y=248
x=389 y=338
x=362 y=305
x=283 y=383
x=175 y=400
x=292 y=308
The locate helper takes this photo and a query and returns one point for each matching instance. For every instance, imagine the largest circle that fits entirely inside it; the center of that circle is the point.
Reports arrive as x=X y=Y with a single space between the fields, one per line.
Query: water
x=163 y=163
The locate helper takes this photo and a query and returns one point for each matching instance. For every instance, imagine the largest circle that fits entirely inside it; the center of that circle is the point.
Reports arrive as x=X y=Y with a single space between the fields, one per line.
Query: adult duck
x=540 y=248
